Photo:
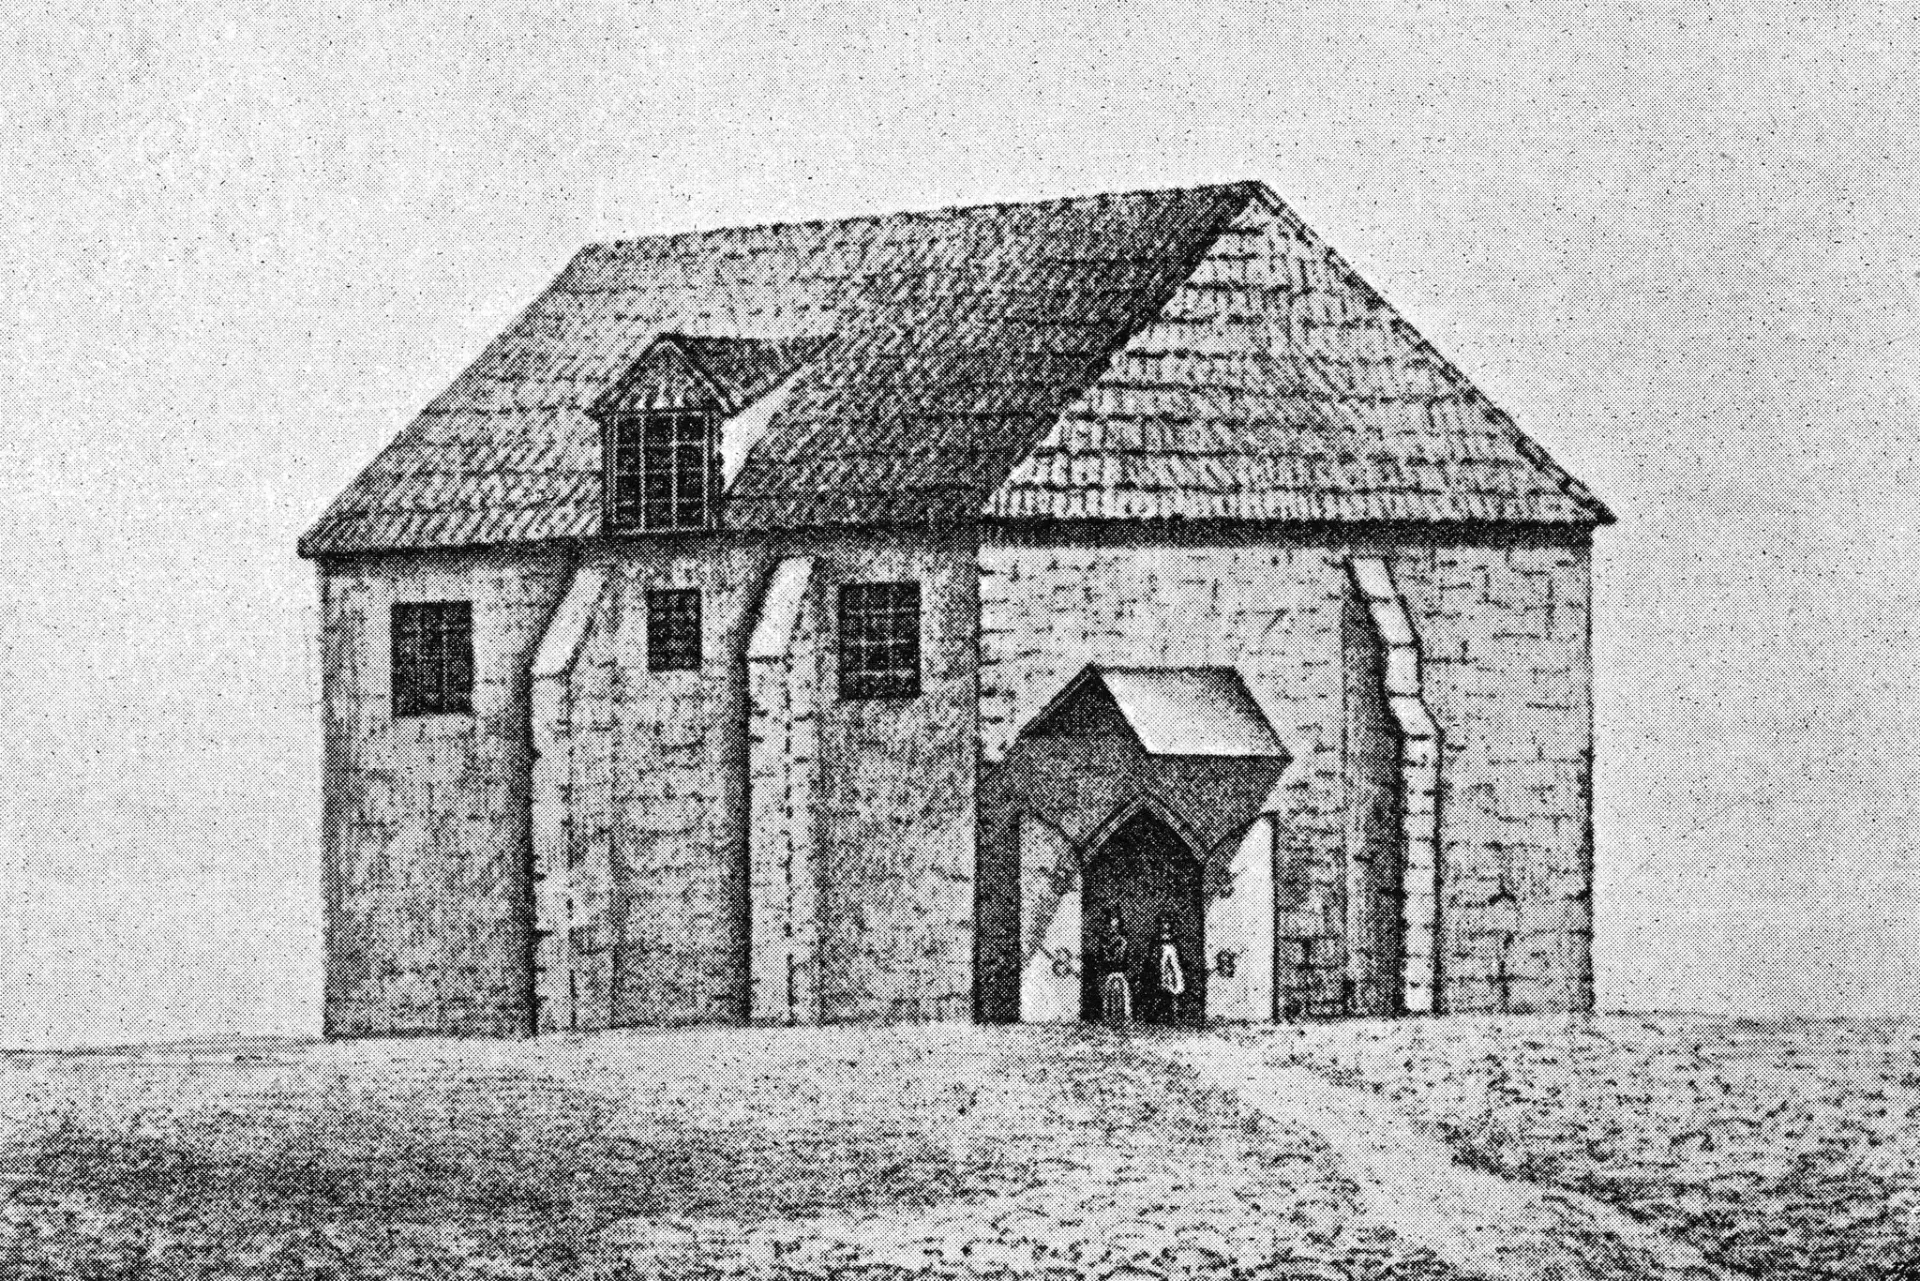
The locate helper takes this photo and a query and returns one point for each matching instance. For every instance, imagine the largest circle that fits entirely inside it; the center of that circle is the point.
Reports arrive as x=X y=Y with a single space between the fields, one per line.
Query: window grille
x=879 y=640
x=432 y=658
x=662 y=472
x=673 y=629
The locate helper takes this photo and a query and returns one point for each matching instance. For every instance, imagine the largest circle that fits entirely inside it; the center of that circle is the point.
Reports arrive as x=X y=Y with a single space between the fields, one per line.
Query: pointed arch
x=1144 y=921
x=1152 y=806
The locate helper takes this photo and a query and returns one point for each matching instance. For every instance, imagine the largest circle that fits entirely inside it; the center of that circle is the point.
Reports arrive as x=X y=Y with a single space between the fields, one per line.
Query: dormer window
x=667 y=456
x=663 y=470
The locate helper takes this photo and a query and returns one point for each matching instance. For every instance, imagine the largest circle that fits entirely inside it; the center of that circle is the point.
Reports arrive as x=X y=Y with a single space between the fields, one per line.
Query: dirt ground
x=1786 y=1148
x=1322 y=1153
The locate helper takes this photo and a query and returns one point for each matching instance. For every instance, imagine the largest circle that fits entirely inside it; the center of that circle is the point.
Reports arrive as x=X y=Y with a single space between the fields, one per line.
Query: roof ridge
x=958 y=336
x=1250 y=186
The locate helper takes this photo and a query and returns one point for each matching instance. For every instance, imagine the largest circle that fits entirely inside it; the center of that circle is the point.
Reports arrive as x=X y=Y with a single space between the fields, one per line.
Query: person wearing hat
x=1116 y=985
x=1170 y=971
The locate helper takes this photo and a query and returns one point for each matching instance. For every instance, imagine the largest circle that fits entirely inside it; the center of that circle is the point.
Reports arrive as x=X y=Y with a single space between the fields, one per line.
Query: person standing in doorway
x=1116 y=985
x=1171 y=972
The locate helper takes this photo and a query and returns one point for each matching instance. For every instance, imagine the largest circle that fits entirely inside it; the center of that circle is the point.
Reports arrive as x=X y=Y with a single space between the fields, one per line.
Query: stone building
x=860 y=620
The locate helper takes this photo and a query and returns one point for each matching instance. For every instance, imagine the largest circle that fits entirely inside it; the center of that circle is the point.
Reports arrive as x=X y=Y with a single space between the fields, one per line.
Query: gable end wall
x=1503 y=630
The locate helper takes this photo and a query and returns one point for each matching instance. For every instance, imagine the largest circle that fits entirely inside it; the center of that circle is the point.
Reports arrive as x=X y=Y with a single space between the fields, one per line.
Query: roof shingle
x=1277 y=385
x=941 y=354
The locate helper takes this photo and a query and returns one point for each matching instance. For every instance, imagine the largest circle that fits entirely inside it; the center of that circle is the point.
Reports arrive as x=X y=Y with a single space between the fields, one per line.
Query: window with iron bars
x=879 y=640
x=432 y=658
x=662 y=471
x=673 y=629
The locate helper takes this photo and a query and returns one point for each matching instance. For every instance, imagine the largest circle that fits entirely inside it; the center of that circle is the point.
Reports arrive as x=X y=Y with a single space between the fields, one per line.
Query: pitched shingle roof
x=1277 y=385
x=935 y=351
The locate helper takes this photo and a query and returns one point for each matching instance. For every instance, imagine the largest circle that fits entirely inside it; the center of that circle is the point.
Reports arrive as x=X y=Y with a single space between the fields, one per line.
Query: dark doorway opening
x=1146 y=877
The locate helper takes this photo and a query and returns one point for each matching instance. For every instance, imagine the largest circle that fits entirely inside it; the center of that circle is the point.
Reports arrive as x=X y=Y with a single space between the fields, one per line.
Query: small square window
x=432 y=658
x=673 y=629
x=880 y=640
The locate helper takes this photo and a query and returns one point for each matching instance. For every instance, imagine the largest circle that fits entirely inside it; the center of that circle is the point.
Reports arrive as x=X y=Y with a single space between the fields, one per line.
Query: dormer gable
x=677 y=424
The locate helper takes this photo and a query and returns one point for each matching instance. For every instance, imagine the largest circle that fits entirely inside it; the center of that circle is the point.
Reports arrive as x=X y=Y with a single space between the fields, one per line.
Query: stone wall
x=1507 y=673
x=675 y=846
x=425 y=829
x=897 y=797
x=652 y=805
x=1050 y=607
x=653 y=791
x=1502 y=627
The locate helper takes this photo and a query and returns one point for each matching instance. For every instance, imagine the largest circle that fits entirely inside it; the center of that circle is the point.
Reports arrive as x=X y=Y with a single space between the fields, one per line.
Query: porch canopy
x=1188 y=743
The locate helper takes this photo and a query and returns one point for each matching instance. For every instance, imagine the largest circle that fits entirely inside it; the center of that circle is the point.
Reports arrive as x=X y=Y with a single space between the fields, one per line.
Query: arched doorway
x=1145 y=874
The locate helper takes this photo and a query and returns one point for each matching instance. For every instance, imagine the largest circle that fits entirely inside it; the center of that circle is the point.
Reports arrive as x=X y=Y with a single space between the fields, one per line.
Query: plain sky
x=244 y=241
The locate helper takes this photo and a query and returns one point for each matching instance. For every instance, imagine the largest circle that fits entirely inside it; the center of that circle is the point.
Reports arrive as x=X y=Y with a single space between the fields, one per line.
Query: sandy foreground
x=1463 y=1148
